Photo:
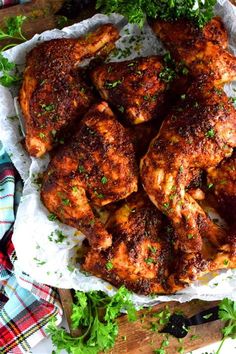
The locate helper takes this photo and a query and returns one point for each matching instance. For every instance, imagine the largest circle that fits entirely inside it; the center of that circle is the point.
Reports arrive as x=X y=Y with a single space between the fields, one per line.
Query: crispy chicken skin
x=142 y=256
x=222 y=181
x=133 y=87
x=54 y=94
x=202 y=51
x=95 y=168
x=197 y=135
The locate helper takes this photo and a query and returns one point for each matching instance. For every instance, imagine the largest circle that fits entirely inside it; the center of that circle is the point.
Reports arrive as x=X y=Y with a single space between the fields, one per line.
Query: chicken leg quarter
x=196 y=135
x=54 y=94
x=95 y=168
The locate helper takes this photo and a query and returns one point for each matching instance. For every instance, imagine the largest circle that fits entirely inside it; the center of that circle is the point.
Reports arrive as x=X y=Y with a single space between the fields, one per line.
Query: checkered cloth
x=25 y=306
x=5 y=3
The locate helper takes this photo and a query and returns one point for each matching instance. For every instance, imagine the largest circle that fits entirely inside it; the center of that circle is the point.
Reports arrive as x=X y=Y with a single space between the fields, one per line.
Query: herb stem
x=221 y=344
x=10 y=45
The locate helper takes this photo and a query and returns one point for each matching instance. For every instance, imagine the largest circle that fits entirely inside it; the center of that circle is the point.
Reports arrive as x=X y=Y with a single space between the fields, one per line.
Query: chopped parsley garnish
x=104 y=180
x=121 y=109
x=152 y=248
x=194 y=337
x=48 y=108
x=109 y=265
x=57 y=236
x=190 y=236
x=39 y=262
x=210 y=133
x=81 y=169
x=99 y=195
x=112 y=84
x=164 y=344
x=166 y=205
x=167 y=74
x=150 y=261
x=42 y=135
x=52 y=217
x=65 y=201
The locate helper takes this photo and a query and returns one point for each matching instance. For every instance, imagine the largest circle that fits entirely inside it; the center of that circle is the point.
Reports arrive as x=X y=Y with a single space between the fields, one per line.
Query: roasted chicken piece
x=222 y=181
x=203 y=51
x=95 y=168
x=197 y=135
x=133 y=87
x=54 y=94
x=142 y=255
x=142 y=134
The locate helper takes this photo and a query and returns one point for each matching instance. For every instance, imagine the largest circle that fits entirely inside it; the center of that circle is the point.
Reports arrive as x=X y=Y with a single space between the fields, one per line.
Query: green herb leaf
x=137 y=10
x=104 y=180
x=52 y=217
x=227 y=312
x=13 y=29
x=112 y=84
x=109 y=265
x=7 y=78
x=97 y=333
x=210 y=133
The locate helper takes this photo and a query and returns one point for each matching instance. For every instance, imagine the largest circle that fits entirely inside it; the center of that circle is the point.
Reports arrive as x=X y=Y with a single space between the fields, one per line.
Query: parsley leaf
x=136 y=11
x=97 y=333
x=6 y=67
x=13 y=30
x=227 y=312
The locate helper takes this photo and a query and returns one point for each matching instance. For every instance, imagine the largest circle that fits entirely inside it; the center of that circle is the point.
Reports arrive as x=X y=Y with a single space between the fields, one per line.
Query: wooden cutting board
x=139 y=337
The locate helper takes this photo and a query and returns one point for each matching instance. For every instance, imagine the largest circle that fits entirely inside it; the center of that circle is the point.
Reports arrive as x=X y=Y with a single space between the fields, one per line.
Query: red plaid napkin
x=5 y=3
x=25 y=306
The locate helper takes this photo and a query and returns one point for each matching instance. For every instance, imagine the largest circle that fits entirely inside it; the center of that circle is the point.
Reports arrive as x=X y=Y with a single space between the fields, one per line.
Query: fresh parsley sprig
x=13 y=30
x=6 y=68
x=95 y=313
x=136 y=11
x=227 y=312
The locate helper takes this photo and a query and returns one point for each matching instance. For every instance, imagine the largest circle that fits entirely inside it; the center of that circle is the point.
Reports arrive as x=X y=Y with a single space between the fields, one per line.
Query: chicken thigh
x=197 y=135
x=95 y=168
x=134 y=87
x=203 y=51
x=54 y=94
x=140 y=256
x=143 y=257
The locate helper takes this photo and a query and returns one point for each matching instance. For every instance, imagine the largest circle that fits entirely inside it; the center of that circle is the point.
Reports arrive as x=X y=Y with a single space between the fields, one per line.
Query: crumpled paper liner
x=38 y=251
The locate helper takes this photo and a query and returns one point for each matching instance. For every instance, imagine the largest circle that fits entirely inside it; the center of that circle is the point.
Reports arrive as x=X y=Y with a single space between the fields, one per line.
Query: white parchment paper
x=39 y=252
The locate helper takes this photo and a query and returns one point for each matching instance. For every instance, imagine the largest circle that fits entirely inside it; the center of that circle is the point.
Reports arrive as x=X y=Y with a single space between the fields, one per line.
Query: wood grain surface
x=136 y=337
